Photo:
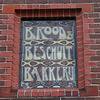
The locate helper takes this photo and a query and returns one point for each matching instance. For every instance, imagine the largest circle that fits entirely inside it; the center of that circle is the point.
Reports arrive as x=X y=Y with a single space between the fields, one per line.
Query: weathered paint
x=48 y=55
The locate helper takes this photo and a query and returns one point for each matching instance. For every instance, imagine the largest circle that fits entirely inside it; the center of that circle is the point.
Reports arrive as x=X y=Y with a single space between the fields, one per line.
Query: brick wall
x=88 y=46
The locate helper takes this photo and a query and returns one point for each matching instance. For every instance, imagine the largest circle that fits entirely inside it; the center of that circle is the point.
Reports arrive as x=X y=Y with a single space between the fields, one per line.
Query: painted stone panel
x=48 y=54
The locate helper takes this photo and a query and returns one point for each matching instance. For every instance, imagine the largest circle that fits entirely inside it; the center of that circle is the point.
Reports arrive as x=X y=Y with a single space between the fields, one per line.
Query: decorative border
x=52 y=11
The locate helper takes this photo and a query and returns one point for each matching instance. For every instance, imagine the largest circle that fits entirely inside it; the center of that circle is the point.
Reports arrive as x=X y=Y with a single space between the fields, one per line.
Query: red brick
x=97 y=41
x=8 y=22
x=81 y=78
x=86 y=58
x=93 y=15
x=4 y=92
x=72 y=5
x=98 y=75
x=16 y=61
x=95 y=47
x=2 y=26
x=7 y=83
x=80 y=55
x=79 y=50
x=87 y=70
x=2 y=83
x=2 y=48
x=97 y=20
x=16 y=50
x=90 y=91
x=23 y=6
x=5 y=65
x=95 y=81
x=5 y=77
x=28 y=93
x=17 y=29
x=41 y=92
x=85 y=26
x=79 y=28
x=85 y=7
x=95 y=69
x=90 y=20
x=3 y=16
x=10 y=9
x=94 y=36
x=90 y=64
x=36 y=2
x=8 y=71
x=15 y=79
x=21 y=93
x=17 y=19
x=29 y=6
x=14 y=2
x=61 y=92
x=75 y=92
x=97 y=52
x=86 y=47
x=80 y=72
x=85 y=16
x=2 y=60
x=11 y=17
x=18 y=24
x=80 y=61
x=10 y=37
x=3 y=37
x=6 y=54
x=96 y=10
x=98 y=63
x=90 y=76
x=57 y=1
x=7 y=43
x=68 y=92
x=15 y=72
x=7 y=32
x=88 y=31
x=81 y=84
x=11 y=27
x=48 y=6
x=87 y=82
x=86 y=36
x=94 y=25
x=78 y=23
x=2 y=71
x=15 y=85
x=81 y=1
x=16 y=68
x=80 y=39
x=95 y=58
x=10 y=48
x=48 y=93
x=16 y=56
x=54 y=92
x=80 y=67
x=97 y=30
x=89 y=52
x=34 y=92
x=16 y=45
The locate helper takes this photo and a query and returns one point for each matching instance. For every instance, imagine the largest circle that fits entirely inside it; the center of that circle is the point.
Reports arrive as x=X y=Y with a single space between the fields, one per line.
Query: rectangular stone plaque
x=48 y=54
